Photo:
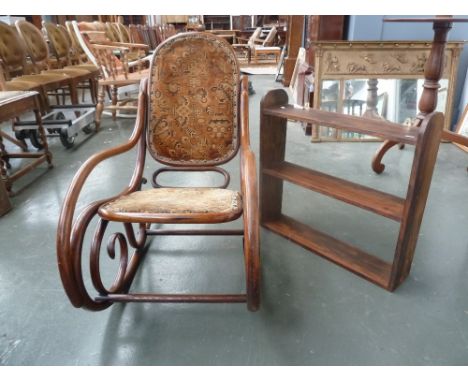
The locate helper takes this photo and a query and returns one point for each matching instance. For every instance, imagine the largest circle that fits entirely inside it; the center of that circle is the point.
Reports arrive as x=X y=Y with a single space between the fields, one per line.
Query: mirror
x=377 y=80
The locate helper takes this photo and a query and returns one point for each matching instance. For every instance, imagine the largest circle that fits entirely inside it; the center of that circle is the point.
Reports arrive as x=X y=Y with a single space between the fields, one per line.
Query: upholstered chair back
x=36 y=45
x=193 y=96
x=58 y=41
x=11 y=51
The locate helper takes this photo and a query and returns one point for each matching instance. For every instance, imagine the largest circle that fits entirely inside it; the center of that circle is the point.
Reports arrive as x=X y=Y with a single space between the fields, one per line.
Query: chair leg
x=93 y=90
x=99 y=107
x=74 y=93
x=377 y=164
x=114 y=102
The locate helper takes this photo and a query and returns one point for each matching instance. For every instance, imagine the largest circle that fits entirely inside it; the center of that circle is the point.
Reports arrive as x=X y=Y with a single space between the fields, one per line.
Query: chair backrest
x=145 y=34
x=59 y=43
x=193 y=101
x=112 y=32
x=151 y=37
x=12 y=51
x=75 y=54
x=270 y=37
x=159 y=34
x=123 y=32
x=36 y=46
x=94 y=41
x=82 y=42
x=155 y=32
x=76 y=46
x=255 y=35
x=135 y=35
x=170 y=30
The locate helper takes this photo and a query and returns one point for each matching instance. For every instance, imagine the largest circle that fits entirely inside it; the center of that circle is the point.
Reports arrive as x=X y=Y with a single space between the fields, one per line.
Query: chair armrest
x=69 y=233
x=87 y=167
x=133 y=45
x=127 y=45
x=250 y=204
x=247 y=158
x=109 y=47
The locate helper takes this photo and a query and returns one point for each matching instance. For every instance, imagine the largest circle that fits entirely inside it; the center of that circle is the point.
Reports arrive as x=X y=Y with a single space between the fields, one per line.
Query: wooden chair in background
x=115 y=71
x=245 y=46
x=61 y=50
x=193 y=116
x=265 y=47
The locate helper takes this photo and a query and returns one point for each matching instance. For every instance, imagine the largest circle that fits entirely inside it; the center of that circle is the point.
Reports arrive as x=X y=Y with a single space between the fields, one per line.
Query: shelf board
x=362 y=125
x=379 y=202
x=355 y=260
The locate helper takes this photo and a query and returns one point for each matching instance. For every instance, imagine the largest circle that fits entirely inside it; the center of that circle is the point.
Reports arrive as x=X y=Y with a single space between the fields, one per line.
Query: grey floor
x=312 y=312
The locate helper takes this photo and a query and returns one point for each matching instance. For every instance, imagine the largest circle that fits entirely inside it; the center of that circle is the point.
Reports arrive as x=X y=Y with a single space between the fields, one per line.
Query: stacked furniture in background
x=119 y=75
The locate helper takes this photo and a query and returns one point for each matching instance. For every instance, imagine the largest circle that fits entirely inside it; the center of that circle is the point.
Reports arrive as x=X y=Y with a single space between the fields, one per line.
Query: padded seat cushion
x=175 y=205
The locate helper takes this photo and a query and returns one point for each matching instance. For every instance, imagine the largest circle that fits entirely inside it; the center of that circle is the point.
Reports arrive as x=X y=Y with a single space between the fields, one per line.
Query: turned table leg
x=432 y=74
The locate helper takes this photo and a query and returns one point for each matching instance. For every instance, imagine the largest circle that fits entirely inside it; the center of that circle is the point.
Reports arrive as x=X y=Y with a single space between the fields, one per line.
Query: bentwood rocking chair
x=192 y=116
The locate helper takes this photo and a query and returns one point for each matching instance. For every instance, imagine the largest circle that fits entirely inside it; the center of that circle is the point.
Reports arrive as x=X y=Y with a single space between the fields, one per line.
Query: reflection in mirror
x=395 y=100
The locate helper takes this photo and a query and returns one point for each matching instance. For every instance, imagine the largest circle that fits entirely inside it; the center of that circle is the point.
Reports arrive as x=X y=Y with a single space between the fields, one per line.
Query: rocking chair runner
x=193 y=116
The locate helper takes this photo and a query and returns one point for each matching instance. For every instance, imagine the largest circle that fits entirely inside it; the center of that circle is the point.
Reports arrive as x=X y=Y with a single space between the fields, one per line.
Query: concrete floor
x=312 y=312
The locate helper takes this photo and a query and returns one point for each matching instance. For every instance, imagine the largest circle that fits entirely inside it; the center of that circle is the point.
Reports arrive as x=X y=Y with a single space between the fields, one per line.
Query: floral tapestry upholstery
x=161 y=204
x=194 y=89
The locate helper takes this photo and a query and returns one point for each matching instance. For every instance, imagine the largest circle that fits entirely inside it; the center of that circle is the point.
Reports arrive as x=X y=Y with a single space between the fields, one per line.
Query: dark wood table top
x=7 y=97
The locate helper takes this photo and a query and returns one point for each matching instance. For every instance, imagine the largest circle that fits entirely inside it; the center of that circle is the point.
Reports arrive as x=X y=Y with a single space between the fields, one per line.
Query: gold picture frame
x=344 y=61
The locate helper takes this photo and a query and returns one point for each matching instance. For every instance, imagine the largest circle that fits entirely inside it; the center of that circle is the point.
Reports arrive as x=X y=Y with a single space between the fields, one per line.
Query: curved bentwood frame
x=132 y=245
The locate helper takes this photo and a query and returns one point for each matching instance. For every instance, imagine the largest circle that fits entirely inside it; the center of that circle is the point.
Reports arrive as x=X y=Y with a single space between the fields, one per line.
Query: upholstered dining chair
x=192 y=116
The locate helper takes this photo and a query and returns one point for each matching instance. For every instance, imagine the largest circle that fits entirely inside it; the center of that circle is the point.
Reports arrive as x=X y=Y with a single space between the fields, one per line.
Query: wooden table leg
x=432 y=74
x=3 y=165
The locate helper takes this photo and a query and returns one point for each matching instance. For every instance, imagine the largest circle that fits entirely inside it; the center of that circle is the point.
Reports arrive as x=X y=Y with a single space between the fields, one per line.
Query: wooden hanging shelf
x=408 y=211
